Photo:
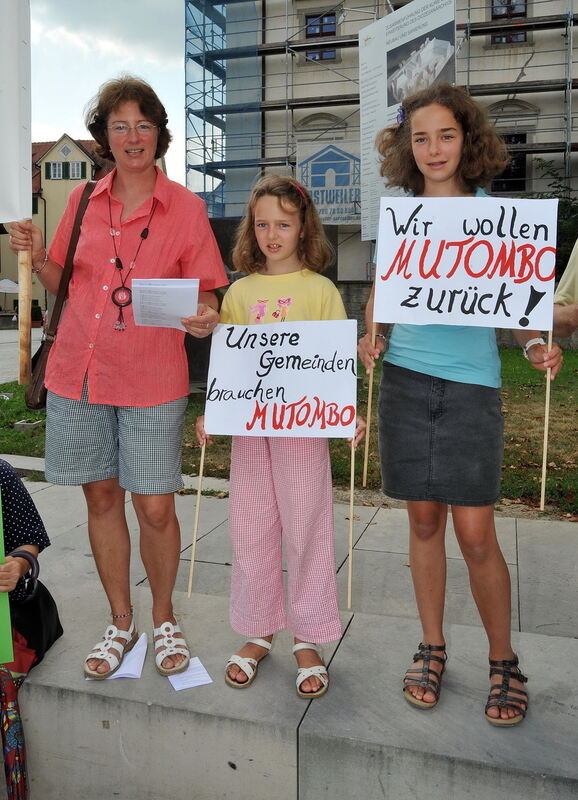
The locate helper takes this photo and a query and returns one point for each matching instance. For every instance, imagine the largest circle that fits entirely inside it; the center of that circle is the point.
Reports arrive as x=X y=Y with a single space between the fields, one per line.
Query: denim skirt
x=439 y=440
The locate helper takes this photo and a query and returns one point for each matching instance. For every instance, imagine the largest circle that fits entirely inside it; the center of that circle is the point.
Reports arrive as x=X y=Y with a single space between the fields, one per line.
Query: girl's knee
x=427 y=528
x=479 y=546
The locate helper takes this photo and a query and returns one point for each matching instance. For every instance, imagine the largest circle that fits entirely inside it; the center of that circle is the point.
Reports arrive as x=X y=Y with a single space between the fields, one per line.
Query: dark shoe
x=502 y=695
x=428 y=679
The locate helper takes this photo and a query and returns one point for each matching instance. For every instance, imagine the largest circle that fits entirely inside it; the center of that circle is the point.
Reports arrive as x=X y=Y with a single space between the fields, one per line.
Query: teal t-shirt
x=461 y=353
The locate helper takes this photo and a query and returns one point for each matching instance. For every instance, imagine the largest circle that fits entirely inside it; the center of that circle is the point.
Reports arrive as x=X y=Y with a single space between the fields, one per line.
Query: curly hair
x=314 y=251
x=124 y=89
x=484 y=153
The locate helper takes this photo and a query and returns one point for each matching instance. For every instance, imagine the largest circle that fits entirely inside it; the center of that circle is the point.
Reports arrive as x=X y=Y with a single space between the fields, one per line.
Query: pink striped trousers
x=281 y=493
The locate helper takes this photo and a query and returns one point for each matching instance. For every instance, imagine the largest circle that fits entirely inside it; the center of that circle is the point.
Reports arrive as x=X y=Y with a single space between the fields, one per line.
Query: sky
x=77 y=46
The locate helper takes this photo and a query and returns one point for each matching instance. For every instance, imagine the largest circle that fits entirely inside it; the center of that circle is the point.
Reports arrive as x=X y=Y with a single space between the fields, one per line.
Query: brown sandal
x=428 y=679
x=500 y=695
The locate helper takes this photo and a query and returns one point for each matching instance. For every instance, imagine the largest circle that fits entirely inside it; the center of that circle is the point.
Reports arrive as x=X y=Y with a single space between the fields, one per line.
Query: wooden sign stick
x=546 y=429
x=350 y=559
x=24 y=314
x=368 y=419
x=196 y=523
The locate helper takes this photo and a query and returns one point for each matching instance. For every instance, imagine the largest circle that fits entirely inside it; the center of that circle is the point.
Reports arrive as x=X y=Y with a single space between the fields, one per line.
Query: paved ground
x=362 y=740
x=9 y=352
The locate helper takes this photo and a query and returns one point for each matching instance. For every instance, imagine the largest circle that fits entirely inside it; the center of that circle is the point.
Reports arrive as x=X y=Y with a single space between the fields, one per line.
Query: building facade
x=273 y=86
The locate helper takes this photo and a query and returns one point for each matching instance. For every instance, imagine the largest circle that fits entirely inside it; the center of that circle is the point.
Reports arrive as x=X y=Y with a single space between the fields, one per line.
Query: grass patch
x=523 y=396
x=22 y=443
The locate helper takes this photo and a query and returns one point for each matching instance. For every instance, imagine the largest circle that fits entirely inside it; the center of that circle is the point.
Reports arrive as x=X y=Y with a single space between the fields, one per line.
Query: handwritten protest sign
x=283 y=379
x=466 y=261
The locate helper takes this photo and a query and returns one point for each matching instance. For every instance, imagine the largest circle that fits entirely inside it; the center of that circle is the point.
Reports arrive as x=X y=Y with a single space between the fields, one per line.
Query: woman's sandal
x=500 y=695
x=111 y=651
x=248 y=665
x=319 y=671
x=429 y=679
x=164 y=638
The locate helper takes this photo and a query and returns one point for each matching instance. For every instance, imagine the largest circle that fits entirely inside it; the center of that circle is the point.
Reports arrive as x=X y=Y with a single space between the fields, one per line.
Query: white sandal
x=318 y=671
x=248 y=665
x=111 y=651
x=170 y=647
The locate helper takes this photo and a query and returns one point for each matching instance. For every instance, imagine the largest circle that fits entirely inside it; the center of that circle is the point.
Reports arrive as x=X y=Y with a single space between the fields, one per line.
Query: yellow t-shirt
x=567 y=291
x=295 y=296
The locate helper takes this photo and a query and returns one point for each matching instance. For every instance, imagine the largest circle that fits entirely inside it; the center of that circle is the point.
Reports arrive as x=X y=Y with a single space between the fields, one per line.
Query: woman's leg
x=160 y=546
x=427 y=556
x=490 y=583
x=110 y=543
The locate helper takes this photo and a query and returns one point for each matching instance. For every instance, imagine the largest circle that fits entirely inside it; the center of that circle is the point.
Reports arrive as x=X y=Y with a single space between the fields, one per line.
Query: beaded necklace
x=122 y=295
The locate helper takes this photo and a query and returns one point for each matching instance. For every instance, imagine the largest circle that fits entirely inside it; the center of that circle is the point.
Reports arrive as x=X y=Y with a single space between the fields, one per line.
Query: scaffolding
x=258 y=83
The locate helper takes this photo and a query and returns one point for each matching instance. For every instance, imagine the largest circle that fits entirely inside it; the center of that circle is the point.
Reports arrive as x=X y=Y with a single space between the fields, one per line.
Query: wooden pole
x=24 y=314
x=196 y=523
x=546 y=430
x=350 y=559
x=368 y=420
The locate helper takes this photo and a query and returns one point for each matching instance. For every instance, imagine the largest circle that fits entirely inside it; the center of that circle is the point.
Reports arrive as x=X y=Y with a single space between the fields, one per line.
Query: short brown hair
x=484 y=153
x=121 y=90
x=314 y=250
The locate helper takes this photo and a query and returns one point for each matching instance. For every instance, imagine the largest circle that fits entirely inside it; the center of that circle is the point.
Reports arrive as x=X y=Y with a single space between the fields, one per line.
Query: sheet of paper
x=133 y=661
x=194 y=675
x=163 y=302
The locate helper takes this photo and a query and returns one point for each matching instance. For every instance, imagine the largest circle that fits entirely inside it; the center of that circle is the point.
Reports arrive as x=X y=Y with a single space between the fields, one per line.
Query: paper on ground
x=194 y=675
x=133 y=661
x=163 y=302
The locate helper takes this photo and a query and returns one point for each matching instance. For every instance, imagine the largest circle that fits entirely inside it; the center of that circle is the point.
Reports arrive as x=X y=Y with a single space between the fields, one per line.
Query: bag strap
x=31 y=559
x=67 y=270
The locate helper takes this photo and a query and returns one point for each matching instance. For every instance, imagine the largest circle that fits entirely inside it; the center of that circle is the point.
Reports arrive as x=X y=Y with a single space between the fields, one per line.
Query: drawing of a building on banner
x=332 y=175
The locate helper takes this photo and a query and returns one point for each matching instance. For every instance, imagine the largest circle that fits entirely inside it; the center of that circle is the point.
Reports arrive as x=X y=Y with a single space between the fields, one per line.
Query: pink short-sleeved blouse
x=139 y=366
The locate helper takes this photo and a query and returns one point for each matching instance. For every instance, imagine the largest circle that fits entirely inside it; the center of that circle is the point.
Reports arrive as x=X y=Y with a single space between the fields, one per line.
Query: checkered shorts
x=88 y=442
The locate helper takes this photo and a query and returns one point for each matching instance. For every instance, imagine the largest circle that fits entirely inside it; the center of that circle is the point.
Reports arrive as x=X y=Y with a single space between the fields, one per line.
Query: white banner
x=402 y=53
x=283 y=379
x=15 y=141
x=466 y=261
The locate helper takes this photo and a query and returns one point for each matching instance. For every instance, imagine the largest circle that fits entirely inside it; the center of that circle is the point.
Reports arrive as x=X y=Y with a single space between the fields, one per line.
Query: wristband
x=36 y=270
x=530 y=343
x=381 y=336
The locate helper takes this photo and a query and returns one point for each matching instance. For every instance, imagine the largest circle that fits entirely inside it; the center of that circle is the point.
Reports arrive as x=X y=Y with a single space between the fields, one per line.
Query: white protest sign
x=479 y=261
x=283 y=379
x=15 y=147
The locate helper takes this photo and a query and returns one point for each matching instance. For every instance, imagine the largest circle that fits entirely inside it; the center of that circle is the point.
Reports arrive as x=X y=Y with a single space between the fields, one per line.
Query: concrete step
x=141 y=740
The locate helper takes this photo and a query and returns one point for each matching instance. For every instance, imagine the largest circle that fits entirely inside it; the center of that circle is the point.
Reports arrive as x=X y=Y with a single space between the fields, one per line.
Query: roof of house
x=39 y=150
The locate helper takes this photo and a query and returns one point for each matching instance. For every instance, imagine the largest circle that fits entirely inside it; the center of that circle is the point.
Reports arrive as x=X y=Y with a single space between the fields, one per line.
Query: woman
x=117 y=393
x=440 y=421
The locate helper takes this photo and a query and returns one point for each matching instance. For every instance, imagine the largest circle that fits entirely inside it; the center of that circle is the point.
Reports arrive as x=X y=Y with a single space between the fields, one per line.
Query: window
x=513 y=178
x=77 y=170
x=321 y=55
x=53 y=170
x=505 y=10
x=316 y=26
x=320 y=25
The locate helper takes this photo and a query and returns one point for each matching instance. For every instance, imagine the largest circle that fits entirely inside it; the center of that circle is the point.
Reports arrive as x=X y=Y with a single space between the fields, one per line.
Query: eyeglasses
x=121 y=128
